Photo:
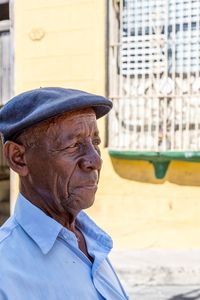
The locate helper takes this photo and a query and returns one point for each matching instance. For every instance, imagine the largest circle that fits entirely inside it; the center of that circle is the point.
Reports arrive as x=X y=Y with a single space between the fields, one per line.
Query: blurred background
x=145 y=56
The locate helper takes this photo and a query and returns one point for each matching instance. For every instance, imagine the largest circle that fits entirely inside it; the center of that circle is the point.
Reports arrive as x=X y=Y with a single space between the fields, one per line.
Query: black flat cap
x=32 y=107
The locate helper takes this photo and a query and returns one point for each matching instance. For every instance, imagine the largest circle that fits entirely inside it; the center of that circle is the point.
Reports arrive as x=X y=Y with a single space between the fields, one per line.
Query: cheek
x=37 y=170
x=64 y=172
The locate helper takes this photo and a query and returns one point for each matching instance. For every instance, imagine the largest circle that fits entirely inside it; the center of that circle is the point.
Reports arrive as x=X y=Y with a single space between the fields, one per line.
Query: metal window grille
x=5 y=55
x=154 y=75
x=5 y=68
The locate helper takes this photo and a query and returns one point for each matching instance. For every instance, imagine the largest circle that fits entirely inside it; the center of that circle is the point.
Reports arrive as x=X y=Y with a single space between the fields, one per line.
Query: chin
x=79 y=201
x=86 y=201
x=89 y=204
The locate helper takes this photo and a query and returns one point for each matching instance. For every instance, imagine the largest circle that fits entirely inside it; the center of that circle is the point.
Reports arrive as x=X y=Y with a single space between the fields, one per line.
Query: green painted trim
x=160 y=160
x=160 y=168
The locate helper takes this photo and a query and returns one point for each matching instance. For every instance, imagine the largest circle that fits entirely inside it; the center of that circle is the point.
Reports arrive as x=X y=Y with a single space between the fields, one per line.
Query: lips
x=94 y=186
x=87 y=182
x=87 y=186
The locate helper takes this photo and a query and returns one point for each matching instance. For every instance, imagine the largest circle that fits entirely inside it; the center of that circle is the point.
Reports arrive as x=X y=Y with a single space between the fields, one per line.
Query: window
x=5 y=53
x=4 y=11
x=154 y=75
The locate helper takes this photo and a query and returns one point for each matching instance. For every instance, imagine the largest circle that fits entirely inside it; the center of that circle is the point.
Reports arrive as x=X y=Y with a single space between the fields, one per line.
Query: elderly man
x=50 y=249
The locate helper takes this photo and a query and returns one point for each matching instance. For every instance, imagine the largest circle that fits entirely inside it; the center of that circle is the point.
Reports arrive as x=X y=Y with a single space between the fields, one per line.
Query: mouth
x=90 y=187
x=87 y=186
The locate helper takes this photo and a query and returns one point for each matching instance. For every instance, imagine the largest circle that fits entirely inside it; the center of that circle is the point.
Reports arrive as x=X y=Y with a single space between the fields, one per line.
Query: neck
x=51 y=208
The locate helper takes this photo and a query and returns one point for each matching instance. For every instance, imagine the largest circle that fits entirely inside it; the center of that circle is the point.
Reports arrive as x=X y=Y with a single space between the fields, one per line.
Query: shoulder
x=14 y=249
x=8 y=245
x=7 y=229
x=12 y=239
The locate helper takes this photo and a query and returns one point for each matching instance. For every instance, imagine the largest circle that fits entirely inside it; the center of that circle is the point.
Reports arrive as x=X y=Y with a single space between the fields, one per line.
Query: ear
x=14 y=154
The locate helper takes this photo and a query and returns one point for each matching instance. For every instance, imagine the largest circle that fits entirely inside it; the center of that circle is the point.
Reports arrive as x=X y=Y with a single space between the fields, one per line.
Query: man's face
x=64 y=168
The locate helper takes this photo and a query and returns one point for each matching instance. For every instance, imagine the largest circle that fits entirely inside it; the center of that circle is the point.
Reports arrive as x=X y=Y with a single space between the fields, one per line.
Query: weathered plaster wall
x=62 y=43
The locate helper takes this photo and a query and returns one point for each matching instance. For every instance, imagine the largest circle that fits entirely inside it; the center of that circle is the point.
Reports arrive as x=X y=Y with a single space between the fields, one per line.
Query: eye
x=97 y=142
x=71 y=147
x=75 y=145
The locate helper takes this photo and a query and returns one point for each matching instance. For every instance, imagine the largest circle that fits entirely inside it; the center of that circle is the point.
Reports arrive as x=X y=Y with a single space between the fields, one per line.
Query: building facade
x=152 y=75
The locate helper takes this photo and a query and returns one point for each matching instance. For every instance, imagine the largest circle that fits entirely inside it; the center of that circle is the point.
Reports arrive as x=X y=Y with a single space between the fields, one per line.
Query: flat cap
x=32 y=107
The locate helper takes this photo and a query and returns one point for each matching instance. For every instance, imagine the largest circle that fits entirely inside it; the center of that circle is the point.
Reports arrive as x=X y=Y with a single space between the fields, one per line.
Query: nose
x=91 y=160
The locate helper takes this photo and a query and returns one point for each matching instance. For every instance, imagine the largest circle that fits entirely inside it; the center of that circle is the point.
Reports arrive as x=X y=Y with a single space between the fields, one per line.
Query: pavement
x=159 y=274
x=165 y=292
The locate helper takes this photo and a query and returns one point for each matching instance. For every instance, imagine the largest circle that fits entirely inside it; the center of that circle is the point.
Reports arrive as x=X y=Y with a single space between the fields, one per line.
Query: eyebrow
x=76 y=134
x=79 y=134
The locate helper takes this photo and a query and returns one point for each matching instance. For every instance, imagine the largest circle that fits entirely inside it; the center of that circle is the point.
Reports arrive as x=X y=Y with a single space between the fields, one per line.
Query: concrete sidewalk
x=165 y=292
x=156 y=274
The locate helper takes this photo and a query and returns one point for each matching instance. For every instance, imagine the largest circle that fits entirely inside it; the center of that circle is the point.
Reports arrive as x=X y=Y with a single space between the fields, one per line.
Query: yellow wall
x=59 y=43
x=62 y=43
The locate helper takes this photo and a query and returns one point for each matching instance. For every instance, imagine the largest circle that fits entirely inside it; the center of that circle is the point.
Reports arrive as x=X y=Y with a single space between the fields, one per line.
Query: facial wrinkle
x=53 y=206
x=55 y=191
x=57 y=206
x=89 y=132
x=84 y=127
x=71 y=199
x=69 y=178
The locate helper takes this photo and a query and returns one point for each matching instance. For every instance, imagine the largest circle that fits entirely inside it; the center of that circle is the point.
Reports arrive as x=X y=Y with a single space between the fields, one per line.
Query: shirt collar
x=40 y=227
x=90 y=228
x=99 y=243
x=44 y=230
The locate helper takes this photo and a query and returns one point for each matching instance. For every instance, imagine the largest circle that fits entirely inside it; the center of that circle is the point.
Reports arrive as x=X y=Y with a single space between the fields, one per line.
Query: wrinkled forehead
x=77 y=113
x=75 y=121
x=76 y=125
x=70 y=117
x=49 y=127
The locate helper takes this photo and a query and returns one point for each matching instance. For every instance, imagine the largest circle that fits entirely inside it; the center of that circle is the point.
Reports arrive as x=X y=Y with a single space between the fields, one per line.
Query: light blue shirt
x=40 y=259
